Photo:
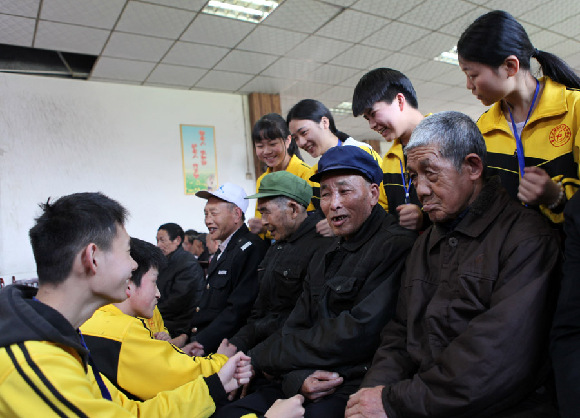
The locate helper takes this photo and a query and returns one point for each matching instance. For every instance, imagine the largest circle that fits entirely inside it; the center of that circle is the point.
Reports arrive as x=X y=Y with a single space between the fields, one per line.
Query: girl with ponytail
x=532 y=129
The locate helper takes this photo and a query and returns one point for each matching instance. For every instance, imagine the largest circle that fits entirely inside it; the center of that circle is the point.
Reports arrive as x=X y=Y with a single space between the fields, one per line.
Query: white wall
x=64 y=136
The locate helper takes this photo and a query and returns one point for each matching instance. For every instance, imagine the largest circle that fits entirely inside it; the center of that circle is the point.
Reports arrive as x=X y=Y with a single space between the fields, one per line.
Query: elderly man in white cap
x=232 y=278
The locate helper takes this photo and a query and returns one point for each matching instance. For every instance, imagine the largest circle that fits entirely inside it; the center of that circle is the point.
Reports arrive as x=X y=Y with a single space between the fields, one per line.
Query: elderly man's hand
x=194 y=349
x=287 y=408
x=367 y=402
x=319 y=384
x=324 y=229
x=410 y=216
x=226 y=348
x=537 y=188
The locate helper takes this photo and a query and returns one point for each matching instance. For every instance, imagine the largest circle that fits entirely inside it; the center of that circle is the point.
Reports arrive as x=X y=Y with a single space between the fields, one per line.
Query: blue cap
x=349 y=157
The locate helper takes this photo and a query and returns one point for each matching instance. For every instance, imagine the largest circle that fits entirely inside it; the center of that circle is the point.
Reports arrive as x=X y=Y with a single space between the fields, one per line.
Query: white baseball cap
x=230 y=193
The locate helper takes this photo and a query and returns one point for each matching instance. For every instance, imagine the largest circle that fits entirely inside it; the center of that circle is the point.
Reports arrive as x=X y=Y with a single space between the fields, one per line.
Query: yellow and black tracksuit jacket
x=125 y=351
x=155 y=323
x=550 y=139
x=44 y=371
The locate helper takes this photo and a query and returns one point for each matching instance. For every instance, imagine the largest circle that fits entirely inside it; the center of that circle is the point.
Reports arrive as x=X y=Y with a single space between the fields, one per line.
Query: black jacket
x=281 y=275
x=181 y=285
x=231 y=289
x=566 y=328
x=349 y=295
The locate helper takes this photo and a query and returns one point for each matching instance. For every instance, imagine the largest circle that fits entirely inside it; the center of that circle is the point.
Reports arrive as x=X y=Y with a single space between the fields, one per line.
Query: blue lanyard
x=519 y=145
x=406 y=186
x=104 y=391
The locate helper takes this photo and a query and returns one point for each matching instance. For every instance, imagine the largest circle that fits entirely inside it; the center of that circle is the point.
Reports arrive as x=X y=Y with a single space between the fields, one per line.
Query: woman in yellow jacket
x=277 y=150
x=532 y=129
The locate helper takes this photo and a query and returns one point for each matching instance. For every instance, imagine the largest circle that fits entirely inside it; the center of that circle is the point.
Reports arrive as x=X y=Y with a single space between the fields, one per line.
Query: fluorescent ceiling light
x=247 y=10
x=345 y=108
x=449 y=57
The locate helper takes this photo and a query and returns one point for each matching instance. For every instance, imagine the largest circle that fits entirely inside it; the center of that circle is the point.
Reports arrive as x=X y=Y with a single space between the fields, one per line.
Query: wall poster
x=199 y=158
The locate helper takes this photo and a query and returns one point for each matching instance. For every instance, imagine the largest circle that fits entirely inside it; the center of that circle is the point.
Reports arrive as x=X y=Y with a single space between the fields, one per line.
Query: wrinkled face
x=142 y=299
x=278 y=221
x=442 y=190
x=308 y=136
x=486 y=83
x=166 y=244
x=220 y=218
x=115 y=268
x=347 y=201
x=384 y=118
x=273 y=152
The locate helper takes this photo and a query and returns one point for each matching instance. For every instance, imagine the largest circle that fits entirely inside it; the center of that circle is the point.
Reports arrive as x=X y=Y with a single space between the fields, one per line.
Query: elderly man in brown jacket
x=470 y=335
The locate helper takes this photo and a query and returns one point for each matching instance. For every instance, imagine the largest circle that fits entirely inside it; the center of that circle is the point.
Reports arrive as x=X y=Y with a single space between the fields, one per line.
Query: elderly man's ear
x=473 y=166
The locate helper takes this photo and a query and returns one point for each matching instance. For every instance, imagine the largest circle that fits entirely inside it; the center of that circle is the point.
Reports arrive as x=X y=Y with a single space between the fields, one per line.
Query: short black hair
x=190 y=235
x=67 y=226
x=173 y=230
x=382 y=85
x=146 y=255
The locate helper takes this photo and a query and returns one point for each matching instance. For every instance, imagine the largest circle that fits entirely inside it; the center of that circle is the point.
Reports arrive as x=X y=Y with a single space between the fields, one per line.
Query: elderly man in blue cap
x=350 y=291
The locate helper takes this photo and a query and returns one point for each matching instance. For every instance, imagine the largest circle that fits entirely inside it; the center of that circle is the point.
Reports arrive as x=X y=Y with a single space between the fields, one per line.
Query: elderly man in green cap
x=282 y=201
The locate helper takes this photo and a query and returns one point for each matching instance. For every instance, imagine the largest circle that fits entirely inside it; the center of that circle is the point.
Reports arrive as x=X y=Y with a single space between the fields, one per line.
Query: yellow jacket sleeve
x=43 y=380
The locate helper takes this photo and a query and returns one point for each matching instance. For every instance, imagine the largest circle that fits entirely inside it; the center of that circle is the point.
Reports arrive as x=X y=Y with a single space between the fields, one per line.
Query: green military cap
x=284 y=183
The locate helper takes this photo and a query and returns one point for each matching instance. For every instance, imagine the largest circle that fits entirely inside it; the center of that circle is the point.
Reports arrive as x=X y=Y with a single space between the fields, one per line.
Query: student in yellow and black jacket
x=276 y=149
x=387 y=100
x=532 y=129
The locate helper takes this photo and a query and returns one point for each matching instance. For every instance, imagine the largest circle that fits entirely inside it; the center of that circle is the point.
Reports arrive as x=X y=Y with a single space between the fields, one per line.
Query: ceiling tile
x=391 y=9
x=26 y=8
x=306 y=90
x=154 y=20
x=351 y=82
x=569 y=27
x=336 y=95
x=545 y=39
x=98 y=14
x=359 y=56
x=195 y=55
x=429 y=71
x=395 y=36
x=301 y=15
x=545 y=16
x=352 y=25
x=175 y=75
x=16 y=30
x=433 y=14
x=268 y=85
x=426 y=90
x=271 y=40
x=222 y=80
x=194 y=5
x=70 y=38
x=565 y=48
x=215 y=30
x=453 y=77
x=458 y=25
x=343 y=3
x=319 y=49
x=515 y=8
x=330 y=74
x=119 y=69
x=139 y=47
x=290 y=68
x=401 y=62
x=431 y=45
x=245 y=62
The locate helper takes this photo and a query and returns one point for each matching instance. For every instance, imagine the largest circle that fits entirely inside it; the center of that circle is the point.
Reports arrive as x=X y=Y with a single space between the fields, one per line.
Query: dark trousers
x=258 y=402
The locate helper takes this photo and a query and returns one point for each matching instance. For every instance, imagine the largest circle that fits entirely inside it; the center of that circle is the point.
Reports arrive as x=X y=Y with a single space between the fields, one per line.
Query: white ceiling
x=305 y=49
